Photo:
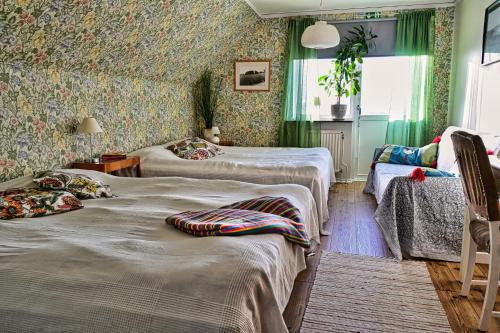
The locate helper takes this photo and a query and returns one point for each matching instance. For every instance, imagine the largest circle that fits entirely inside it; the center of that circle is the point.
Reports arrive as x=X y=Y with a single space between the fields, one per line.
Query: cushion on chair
x=480 y=232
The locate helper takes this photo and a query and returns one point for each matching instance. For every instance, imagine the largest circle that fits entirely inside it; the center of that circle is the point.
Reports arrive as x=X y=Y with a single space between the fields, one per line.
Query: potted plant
x=343 y=79
x=206 y=92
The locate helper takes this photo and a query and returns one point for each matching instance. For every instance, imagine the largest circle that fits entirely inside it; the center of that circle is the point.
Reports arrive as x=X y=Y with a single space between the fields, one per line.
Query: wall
x=253 y=118
x=475 y=97
x=128 y=63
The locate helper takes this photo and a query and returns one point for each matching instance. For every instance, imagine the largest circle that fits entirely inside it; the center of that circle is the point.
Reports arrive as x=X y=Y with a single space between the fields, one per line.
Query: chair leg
x=465 y=243
x=493 y=276
x=468 y=264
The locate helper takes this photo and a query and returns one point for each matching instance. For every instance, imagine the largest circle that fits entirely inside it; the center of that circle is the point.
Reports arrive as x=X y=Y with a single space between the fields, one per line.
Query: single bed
x=115 y=266
x=310 y=167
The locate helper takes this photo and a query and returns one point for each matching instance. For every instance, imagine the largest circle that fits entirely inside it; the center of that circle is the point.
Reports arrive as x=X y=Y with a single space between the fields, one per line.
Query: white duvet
x=115 y=266
x=310 y=167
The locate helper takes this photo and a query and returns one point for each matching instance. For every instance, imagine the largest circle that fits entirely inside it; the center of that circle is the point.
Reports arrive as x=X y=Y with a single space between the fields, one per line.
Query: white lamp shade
x=215 y=130
x=89 y=125
x=321 y=35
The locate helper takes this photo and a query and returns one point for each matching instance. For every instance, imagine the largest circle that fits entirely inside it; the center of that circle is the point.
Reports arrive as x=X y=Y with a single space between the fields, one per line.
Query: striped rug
x=365 y=294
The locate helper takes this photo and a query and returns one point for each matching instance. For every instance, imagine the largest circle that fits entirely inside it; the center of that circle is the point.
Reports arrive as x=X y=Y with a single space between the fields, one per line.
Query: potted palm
x=206 y=92
x=343 y=78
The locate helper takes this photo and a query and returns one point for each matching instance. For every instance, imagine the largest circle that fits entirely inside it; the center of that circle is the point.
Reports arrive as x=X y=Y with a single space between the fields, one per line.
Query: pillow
x=32 y=202
x=195 y=149
x=425 y=156
x=83 y=187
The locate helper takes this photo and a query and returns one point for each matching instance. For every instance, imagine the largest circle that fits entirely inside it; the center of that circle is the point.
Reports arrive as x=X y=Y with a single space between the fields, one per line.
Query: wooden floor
x=353 y=230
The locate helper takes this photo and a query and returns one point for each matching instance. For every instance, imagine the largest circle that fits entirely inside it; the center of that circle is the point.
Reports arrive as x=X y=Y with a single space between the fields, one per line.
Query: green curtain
x=297 y=127
x=415 y=38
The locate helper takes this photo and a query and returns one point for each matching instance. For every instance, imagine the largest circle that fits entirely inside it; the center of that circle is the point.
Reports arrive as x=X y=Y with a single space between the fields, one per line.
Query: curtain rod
x=360 y=20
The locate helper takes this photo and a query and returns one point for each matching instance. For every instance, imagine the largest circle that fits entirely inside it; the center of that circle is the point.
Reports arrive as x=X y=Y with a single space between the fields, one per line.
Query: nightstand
x=226 y=143
x=110 y=167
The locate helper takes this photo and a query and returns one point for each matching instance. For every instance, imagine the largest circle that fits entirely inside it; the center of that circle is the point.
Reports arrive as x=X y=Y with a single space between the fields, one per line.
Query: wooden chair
x=483 y=232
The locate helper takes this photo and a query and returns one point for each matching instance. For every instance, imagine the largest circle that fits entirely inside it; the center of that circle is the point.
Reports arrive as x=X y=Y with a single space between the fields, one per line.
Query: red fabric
x=434 y=165
x=372 y=166
x=490 y=152
x=437 y=139
x=418 y=174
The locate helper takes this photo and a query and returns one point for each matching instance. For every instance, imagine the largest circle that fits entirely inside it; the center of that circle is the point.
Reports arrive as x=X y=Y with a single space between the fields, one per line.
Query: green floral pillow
x=32 y=202
x=195 y=149
x=83 y=187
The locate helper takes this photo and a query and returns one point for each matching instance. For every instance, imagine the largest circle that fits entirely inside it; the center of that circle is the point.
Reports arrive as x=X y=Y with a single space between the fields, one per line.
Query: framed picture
x=252 y=75
x=491 y=35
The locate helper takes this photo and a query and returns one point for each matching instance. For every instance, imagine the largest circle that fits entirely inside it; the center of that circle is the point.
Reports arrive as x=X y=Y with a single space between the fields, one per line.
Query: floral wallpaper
x=128 y=63
x=252 y=119
x=131 y=63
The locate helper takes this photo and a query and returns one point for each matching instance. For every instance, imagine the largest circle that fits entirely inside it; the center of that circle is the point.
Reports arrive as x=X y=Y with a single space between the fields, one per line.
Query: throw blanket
x=421 y=219
x=264 y=215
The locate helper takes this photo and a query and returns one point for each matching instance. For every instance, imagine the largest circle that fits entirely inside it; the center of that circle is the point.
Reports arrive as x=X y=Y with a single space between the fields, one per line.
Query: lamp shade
x=89 y=125
x=321 y=35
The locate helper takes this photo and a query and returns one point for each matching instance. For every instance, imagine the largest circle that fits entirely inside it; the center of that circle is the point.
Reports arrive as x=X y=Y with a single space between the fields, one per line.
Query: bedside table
x=226 y=143
x=110 y=167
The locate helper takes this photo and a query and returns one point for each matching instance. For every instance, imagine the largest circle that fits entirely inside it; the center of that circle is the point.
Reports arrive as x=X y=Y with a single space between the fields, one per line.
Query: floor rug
x=366 y=294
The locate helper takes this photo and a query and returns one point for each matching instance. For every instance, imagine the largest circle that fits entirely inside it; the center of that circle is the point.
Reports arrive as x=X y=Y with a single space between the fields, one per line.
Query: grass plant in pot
x=343 y=78
x=206 y=92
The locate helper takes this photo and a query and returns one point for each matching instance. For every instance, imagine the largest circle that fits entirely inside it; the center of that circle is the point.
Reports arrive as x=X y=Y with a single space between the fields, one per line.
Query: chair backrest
x=477 y=175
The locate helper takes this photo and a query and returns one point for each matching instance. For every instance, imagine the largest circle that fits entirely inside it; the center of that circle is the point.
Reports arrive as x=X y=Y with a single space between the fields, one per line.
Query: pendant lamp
x=321 y=35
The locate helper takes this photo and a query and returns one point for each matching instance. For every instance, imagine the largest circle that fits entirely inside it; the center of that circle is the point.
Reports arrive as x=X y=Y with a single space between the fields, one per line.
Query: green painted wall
x=473 y=85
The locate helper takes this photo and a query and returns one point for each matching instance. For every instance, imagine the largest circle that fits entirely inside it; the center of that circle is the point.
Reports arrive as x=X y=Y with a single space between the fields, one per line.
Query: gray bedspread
x=421 y=219
x=116 y=266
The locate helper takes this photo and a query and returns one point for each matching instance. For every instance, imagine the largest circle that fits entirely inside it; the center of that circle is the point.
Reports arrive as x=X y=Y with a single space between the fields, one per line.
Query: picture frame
x=252 y=75
x=491 y=35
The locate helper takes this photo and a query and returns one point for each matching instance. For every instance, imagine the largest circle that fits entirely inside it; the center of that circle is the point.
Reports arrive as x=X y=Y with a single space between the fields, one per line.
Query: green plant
x=206 y=92
x=343 y=78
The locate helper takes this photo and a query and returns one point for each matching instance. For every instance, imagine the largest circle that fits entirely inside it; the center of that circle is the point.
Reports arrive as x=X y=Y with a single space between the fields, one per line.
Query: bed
x=115 y=266
x=310 y=167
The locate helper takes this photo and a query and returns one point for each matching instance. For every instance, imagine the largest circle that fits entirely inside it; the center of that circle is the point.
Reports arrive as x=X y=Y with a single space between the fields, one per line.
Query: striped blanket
x=264 y=215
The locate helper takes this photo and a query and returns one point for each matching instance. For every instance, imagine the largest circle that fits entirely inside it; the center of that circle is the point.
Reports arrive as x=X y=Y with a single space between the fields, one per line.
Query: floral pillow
x=83 y=187
x=195 y=149
x=32 y=202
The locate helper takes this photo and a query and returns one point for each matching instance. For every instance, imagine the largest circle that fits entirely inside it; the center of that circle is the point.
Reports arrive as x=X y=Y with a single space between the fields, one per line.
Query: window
x=317 y=95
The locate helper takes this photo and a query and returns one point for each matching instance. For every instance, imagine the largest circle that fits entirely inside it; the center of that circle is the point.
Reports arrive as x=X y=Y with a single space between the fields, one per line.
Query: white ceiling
x=278 y=8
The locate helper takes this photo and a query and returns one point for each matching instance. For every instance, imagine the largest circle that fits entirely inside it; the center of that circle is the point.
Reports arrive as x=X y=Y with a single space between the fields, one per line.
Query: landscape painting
x=252 y=75
x=491 y=39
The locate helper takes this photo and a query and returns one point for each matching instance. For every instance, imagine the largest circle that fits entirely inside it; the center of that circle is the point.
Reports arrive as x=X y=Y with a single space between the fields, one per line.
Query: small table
x=226 y=143
x=110 y=167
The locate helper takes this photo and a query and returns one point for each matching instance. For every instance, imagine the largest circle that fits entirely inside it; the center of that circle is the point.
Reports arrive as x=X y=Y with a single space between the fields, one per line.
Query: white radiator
x=334 y=141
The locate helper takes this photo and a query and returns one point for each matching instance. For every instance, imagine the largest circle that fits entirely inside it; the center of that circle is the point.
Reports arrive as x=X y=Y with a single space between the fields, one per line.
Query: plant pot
x=210 y=134
x=339 y=111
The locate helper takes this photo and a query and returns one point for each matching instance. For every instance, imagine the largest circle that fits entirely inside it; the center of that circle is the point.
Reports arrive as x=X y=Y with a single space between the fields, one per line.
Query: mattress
x=115 y=266
x=310 y=167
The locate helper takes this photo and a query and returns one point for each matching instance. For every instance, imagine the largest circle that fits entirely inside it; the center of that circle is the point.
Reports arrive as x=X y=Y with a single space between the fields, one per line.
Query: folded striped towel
x=264 y=215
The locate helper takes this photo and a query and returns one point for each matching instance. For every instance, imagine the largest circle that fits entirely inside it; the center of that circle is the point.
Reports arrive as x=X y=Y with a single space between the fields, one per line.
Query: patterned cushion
x=83 y=187
x=425 y=156
x=31 y=202
x=195 y=149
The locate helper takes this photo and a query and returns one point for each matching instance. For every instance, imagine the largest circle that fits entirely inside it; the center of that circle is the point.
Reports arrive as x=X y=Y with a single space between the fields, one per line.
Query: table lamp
x=90 y=126
x=215 y=132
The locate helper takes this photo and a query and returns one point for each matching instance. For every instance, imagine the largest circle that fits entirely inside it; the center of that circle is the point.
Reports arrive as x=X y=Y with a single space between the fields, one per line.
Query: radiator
x=334 y=141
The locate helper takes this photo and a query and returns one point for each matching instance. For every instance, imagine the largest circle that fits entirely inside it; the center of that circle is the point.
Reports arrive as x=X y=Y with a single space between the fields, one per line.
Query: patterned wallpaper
x=128 y=63
x=131 y=63
x=253 y=118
